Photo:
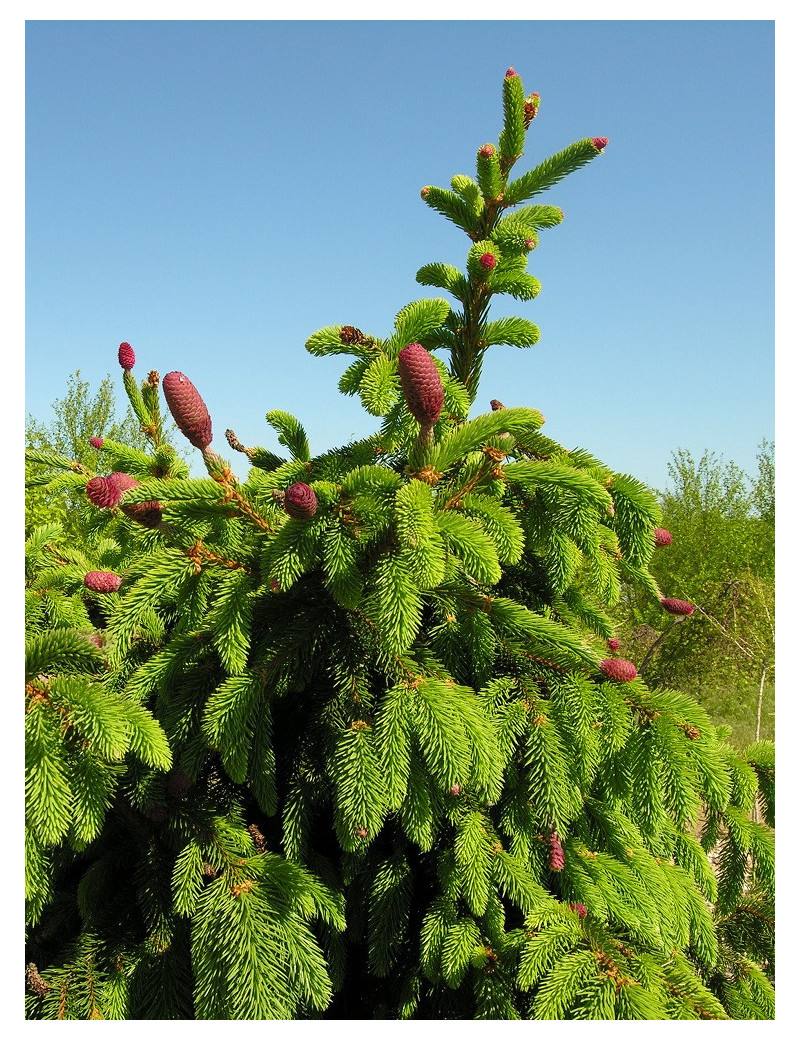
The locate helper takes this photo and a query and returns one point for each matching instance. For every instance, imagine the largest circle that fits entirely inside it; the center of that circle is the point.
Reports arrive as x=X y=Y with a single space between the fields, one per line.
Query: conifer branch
x=234 y=496
x=200 y=554
x=489 y=468
x=657 y=643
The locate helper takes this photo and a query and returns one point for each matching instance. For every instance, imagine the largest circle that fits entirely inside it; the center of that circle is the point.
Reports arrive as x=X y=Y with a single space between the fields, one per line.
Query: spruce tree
x=356 y=744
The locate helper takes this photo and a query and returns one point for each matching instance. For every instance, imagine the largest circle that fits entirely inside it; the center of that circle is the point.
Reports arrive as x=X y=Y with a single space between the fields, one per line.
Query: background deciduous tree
x=82 y=413
x=722 y=559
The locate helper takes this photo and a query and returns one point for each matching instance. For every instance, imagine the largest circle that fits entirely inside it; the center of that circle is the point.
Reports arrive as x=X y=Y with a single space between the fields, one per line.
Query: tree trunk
x=760 y=700
x=756 y=813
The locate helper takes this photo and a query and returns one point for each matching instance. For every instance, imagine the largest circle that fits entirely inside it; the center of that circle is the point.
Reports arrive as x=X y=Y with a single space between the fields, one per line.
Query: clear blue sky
x=214 y=192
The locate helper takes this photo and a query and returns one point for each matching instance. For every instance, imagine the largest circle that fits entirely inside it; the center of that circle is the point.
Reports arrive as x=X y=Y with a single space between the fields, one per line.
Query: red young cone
x=599 y=143
x=126 y=356
x=300 y=502
x=578 y=908
x=510 y=72
x=556 y=858
x=661 y=536
x=101 y=493
x=188 y=409
x=102 y=581
x=677 y=606
x=96 y=442
x=422 y=384
x=488 y=261
x=622 y=671
x=106 y=492
x=122 y=482
x=148 y=514
x=486 y=150
x=613 y=645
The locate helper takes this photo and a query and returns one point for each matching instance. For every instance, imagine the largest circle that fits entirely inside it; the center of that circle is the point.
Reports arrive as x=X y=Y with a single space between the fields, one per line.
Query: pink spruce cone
x=530 y=243
x=102 y=581
x=188 y=409
x=102 y=494
x=422 y=385
x=122 y=482
x=613 y=645
x=126 y=356
x=106 y=492
x=486 y=150
x=677 y=606
x=556 y=860
x=622 y=671
x=96 y=442
x=661 y=536
x=148 y=514
x=300 y=502
x=510 y=72
x=488 y=261
x=599 y=143
x=578 y=908
x=455 y=790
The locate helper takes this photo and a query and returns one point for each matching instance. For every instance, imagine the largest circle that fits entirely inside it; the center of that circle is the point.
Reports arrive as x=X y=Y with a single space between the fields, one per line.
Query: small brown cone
x=351 y=336
x=148 y=514
x=36 y=982
x=259 y=840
